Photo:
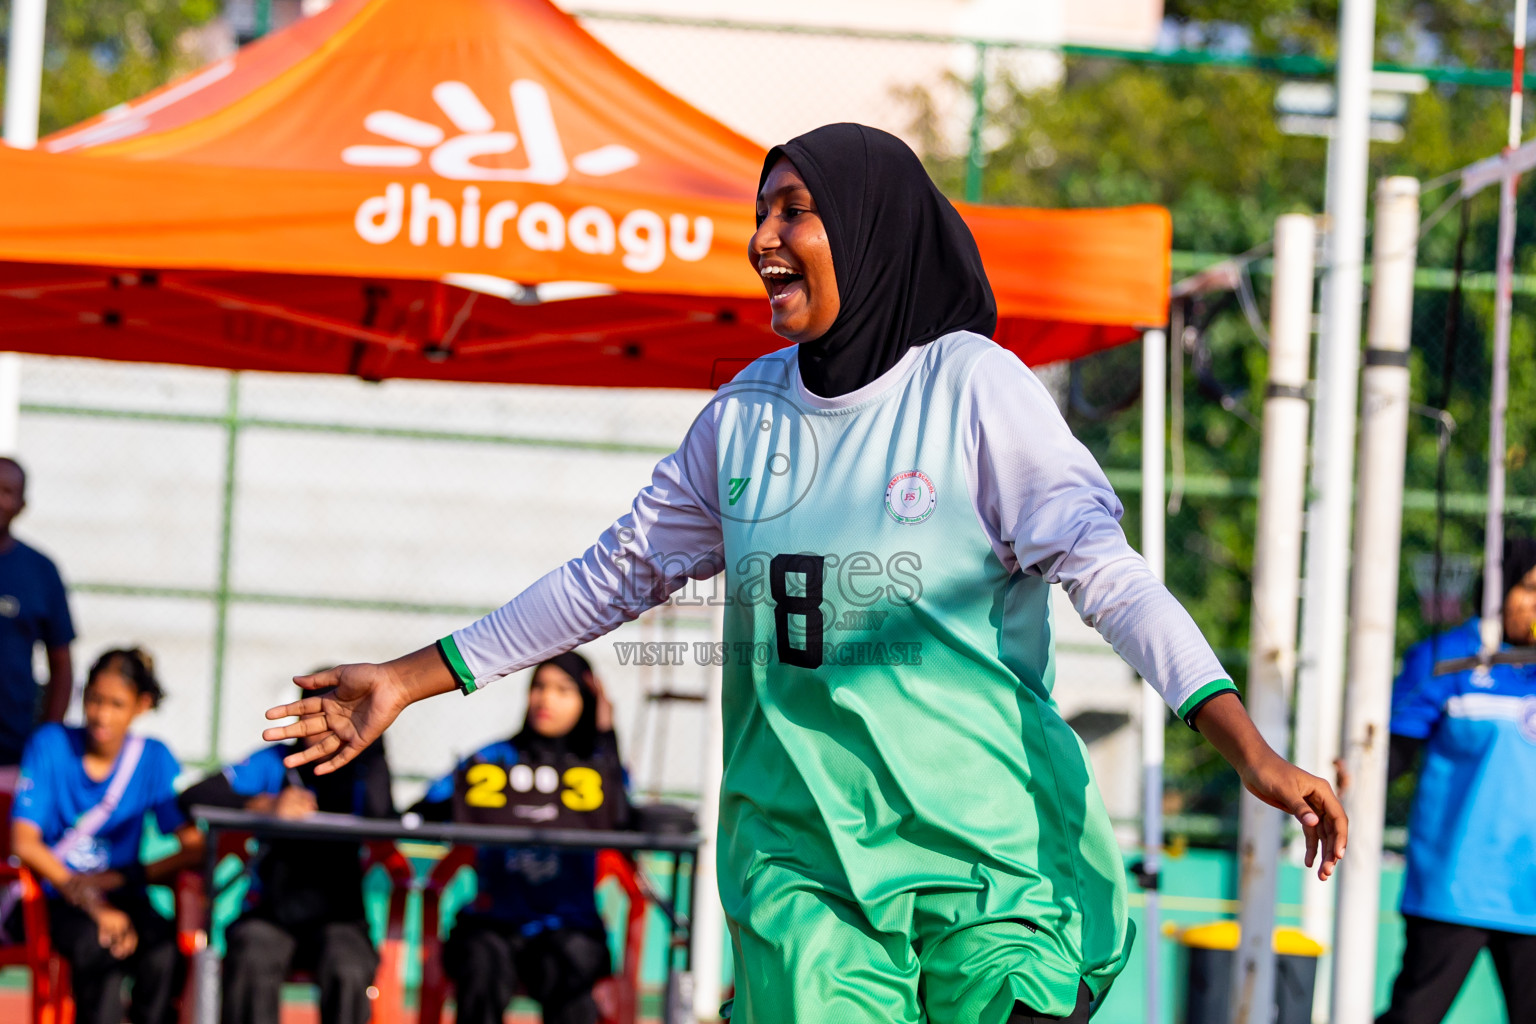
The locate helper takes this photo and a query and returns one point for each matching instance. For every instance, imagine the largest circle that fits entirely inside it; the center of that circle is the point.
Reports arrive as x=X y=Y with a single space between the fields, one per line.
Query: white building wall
x=771 y=86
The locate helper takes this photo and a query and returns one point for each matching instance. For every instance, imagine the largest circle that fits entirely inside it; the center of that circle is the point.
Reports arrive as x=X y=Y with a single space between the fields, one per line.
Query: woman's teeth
x=778 y=279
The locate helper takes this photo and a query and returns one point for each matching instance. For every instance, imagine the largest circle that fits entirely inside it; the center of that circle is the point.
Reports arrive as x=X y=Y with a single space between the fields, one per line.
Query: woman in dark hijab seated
x=909 y=831
x=534 y=922
x=304 y=909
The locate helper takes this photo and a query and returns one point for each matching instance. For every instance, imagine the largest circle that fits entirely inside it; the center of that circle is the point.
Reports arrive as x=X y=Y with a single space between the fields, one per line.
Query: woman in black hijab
x=905 y=266
x=909 y=831
x=534 y=922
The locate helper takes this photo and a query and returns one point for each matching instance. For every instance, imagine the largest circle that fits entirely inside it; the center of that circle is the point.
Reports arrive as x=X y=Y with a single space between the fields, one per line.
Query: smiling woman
x=909 y=831
x=792 y=255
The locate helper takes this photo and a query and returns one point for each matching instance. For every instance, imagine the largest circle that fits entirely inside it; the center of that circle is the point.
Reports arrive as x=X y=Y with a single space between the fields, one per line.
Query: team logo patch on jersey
x=1527 y=719
x=910 y=497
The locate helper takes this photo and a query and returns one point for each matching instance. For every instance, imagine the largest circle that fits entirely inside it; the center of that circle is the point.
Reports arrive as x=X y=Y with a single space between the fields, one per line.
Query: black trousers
x=156 y=967
x=1024 y=1015
x=488 y=961
x=1436 y=962
x=261 y=953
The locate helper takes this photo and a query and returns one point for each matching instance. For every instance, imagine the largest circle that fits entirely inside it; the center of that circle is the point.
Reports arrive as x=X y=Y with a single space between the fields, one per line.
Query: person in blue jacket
x=77 y=824
x=535 y=923
x=1471 y=880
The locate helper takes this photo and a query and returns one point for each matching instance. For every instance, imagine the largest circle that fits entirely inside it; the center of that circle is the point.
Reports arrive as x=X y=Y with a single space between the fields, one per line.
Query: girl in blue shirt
x=77 y=824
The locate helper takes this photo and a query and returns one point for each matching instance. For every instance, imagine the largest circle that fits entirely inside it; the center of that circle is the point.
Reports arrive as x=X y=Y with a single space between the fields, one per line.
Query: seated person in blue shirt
x=1471 y=879
x=305 y=907
x=33 y=610
x=535 y=921
x=78 y=822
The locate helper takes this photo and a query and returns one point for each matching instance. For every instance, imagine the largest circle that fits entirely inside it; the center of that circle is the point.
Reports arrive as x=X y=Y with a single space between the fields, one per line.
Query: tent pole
x=23 y=97
x=1276 y=587
x=1154 y=713
x=1373 y=605
x=24 y=72
x=708 y=915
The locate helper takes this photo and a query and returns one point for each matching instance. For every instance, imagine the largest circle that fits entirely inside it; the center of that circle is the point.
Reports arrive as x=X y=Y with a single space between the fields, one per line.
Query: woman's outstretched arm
x=1052 y=512
x=670 y=535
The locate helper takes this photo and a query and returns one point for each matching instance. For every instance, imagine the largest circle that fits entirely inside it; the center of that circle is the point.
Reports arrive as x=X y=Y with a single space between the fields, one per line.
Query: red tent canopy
x=464 y=190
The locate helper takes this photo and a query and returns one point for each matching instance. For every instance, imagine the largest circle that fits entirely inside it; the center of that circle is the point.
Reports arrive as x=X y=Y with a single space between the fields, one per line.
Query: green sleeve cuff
x=1201 y=697
x=455 y=662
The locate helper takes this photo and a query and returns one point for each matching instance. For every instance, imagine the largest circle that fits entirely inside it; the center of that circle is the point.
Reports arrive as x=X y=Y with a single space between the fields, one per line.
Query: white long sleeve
x=670 y=535
x=1043 y=501
x=1049 y=510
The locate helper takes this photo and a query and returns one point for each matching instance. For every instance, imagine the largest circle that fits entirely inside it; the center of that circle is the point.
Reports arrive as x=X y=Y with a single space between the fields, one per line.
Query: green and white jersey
x=889 y=730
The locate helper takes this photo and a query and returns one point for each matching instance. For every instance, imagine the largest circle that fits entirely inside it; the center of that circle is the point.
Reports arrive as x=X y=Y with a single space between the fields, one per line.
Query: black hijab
x=907 y=267
x=582 y=739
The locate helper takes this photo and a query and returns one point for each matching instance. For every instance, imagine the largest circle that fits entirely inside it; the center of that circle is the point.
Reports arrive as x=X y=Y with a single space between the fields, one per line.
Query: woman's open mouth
x=782 y=283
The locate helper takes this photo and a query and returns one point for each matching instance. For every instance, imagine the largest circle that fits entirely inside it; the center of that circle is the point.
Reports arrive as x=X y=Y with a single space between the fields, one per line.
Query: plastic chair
x=51 y=1001
x=194 y=916
x=617 y=997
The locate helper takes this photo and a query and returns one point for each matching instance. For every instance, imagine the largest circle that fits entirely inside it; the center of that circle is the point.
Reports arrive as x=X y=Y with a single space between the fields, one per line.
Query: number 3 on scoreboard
x=487 y=785
x=583 y=789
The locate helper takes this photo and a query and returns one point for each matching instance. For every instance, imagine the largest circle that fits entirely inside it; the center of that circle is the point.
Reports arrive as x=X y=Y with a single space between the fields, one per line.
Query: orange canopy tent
x=464 y=190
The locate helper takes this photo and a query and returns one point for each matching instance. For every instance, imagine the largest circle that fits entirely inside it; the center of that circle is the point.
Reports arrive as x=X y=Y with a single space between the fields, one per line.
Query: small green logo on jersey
x=737 y=486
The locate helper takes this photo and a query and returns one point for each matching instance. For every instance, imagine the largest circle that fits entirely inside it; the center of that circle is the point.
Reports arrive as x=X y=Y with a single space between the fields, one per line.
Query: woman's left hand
x=1310 y=800
x=1276 y=781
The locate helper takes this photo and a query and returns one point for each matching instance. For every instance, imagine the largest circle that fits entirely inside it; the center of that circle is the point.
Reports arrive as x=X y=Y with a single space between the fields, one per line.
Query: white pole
x=1154 y=713
x=708 y=915
x=1373 y=608
x=23 y=96
x=1492 y=626
x=1276 y=588
x=24 y=72
x=1333 y=433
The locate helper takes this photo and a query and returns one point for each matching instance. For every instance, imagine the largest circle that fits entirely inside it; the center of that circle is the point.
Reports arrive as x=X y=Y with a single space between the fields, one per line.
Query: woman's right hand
x=363 y=701
x=114 y=931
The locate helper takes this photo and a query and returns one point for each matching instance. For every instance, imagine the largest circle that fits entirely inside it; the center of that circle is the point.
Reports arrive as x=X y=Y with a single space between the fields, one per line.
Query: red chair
x=51 y=1002
x=617 y=997
x=194 y=915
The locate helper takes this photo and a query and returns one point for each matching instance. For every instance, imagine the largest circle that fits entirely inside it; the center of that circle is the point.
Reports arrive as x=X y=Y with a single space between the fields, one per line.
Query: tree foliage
x=99 y=53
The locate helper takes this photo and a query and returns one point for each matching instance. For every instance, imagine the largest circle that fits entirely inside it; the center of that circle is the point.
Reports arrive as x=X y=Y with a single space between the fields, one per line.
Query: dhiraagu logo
x=641 y=238
x=737 y=485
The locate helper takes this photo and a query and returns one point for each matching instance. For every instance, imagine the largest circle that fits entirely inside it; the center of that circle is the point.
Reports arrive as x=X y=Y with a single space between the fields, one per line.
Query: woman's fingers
x=347 y=753
x=306 y=706
x=319 y=680
x=1333 y=828
x=313 y=752
x=309 y=725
